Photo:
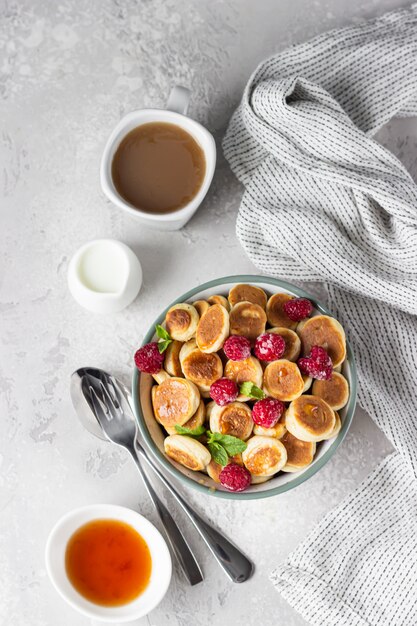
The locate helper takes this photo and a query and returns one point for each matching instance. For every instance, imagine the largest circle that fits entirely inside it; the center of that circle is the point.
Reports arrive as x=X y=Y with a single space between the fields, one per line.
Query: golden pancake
x=219 y=300
x=310 y=418
x=277 y=431
x=247 y=319
x=307 y=382
x=201 y=306
x=292 y=342
x=213 y=469
x=195 y=421
x=202 y=368
x=264 y=456
x=275 y=312
x=213 y=329
x=300 y=454
x=326 y=332
x=172 y=359
x=247 y=293
x=233 y=419
x=283 y=380
x=257 y=480
x=334 y=391
x=337 y=426
x=187 y=451
x=248 y=370
x=181 y=321
x=175 y=401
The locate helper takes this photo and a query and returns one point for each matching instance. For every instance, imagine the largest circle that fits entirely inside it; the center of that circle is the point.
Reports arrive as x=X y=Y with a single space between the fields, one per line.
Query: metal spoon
x=236 y=565
x=81 y=382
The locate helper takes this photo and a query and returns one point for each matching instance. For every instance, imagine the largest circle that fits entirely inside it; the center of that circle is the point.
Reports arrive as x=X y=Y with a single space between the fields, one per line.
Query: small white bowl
x=104 y=276
x=161 y=563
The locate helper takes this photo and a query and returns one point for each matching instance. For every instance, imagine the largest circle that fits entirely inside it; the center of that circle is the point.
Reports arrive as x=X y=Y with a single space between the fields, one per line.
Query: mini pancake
x=300 y=454
x=201 y=306
x=247 y=319
x=219 y=300
x=283 y=380
x=195 y=421
x=334 y=391
x=174 y=401
x=264 y=456
x=292 y=342
x=187 y=451
x=275 y=312
x=337 y=426
x=248 y=370
x=213 y=469
x=247 y=293
x=257 y=480
x=232 y=419
x=326 y=332
x=172 y=359
x=307 y=382
x=277 y=431
x=310 y=418
x=201 y=368
x=213 y=329
x=181 y=321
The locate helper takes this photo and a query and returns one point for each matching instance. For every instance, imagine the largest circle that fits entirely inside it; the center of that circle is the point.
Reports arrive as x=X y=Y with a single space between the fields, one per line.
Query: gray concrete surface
x=68 y=71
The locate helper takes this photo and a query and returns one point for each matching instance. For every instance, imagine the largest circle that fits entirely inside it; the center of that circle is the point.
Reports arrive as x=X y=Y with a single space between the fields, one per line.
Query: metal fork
x=121 y=429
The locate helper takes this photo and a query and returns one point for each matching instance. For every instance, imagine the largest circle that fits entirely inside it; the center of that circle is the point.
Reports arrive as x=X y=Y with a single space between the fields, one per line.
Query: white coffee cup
x=175 y=113
x=126 y=613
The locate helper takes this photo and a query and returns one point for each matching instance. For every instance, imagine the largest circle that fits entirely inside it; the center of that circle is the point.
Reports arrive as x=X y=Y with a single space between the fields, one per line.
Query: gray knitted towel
x=324 y=201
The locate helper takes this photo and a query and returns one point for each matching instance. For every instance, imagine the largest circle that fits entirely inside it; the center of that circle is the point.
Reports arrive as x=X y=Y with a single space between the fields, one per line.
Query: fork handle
x=234 y=563
x=179 y=545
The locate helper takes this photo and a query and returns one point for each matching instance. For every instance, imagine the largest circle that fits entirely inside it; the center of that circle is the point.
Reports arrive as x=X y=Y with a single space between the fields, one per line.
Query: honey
x=108 y=562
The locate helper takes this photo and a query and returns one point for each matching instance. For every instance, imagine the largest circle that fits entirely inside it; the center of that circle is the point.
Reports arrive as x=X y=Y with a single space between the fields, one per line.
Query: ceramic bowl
x=153 y=434
x=161 y=563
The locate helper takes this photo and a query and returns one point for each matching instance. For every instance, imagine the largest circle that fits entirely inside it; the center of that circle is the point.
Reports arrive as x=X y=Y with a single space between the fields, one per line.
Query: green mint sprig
x=223 y=446
x=220 y=446
x=190 y=432
x=164 y=338
x=250 y=390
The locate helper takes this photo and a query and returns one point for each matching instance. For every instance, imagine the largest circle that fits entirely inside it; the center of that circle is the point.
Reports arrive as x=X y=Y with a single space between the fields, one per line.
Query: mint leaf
x=232 y=445
x=251 y=391
x=163 y=345
x=218 y=453
x=191 y=432
x=161 y=332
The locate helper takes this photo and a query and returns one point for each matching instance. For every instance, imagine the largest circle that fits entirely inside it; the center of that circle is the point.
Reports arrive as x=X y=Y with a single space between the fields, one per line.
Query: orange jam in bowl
x=108 y=562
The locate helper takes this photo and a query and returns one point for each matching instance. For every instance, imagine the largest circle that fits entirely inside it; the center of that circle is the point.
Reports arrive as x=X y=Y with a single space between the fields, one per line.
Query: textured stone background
x=68 y=71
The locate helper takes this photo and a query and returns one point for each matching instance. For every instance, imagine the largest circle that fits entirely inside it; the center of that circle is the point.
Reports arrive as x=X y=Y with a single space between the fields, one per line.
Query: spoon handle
x=235 y=564
x=179 y=545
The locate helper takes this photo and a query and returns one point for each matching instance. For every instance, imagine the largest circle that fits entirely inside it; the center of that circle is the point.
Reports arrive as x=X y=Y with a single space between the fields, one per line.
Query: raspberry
x=298 y=309
x=317 y=365
x=234 y=477
x=269 y=347
x=267 y=412
x=148 y=358
x=237 y=348
x=223 y=391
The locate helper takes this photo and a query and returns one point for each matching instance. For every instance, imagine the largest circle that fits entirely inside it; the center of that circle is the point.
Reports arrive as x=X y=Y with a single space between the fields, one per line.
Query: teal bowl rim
x=298 y=480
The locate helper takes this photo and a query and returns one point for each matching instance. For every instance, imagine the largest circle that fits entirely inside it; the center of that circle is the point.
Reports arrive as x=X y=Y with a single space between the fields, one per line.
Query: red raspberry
x=237 y=348
x=148 y=358
x=317 y=365
x=298 y=309
x=223 y=391
x=234 y=477
x=269 y=347
x=267 y=412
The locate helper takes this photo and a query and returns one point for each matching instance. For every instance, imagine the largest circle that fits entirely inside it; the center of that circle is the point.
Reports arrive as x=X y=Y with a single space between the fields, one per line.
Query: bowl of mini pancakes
x=216 y=442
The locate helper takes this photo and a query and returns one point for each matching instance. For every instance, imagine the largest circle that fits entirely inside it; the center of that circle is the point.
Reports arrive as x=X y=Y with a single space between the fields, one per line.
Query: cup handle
x=179 y=99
